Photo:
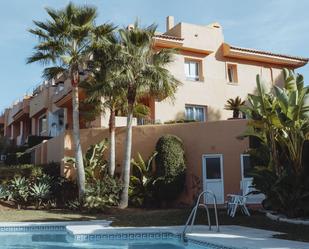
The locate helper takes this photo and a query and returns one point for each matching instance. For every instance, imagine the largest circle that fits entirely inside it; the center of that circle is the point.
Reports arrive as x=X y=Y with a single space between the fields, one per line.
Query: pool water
x=61 y=241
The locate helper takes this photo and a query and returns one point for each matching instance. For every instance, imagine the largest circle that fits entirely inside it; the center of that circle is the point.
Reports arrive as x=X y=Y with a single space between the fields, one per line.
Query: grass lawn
x=162 y=217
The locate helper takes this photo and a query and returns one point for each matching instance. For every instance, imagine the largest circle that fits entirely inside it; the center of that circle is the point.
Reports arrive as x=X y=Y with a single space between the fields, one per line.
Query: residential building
x=211 y=72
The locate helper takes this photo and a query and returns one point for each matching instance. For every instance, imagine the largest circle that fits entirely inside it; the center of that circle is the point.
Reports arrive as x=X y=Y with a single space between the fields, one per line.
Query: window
x=42 y=125
x=192 y=70
x=195 y=113
x=246 y=165
x=213 y=167
x=232 y=73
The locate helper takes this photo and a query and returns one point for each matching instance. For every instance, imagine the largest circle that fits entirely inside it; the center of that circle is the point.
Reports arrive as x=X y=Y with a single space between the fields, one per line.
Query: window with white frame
x=232 y=73
x=192 y=70
x=197 y=113
x=246 y=165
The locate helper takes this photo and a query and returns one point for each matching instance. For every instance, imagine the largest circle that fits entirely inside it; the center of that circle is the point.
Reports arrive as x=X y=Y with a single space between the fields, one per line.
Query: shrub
x=42 y=184
x=4 y=193
x=170 y=168
x=180 y=121
x=19 y=191
x=141 y=181
x=40 y=192
x=94 y=161
x=278 y=120
x=8 y=172
x=62 y=191
x=102 y=194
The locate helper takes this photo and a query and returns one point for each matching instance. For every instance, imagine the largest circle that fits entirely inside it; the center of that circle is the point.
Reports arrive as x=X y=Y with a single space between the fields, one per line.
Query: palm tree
x=64 y=42
x=103 y=85
x=235 y=105
x=145 y=74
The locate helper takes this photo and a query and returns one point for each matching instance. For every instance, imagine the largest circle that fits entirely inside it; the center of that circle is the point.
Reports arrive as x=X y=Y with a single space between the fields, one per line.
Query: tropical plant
x=95 y=164
x=145 y=74
x=4 y=193
x=279 y=120
x=19 y=191
x=234 y=105
x=63 y=190
x=170 y=168
x=65 y=41
x=141 y=180
x=102 y=193
x=74 y=205
x=40 y=192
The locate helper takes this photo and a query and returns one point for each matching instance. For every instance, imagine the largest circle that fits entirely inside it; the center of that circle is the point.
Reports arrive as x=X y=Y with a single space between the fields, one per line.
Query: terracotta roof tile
x=269 y=53
x=169 y=37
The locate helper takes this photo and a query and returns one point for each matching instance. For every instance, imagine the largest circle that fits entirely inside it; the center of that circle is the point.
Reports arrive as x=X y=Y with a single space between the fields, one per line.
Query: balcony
x=39 y=101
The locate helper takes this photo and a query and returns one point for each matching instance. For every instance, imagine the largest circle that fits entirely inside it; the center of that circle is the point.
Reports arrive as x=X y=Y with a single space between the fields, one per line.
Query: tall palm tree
x=145 y=74
x=235 y=106
x=103 y=85
x=64 y=42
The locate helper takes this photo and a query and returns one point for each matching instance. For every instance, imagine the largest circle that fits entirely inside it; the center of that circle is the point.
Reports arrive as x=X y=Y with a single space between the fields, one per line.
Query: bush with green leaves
x=103 y=193
x=40 y=192
x=39 y=185
x=8 y=172
x=170 y=168
x=100 y=194
x=94 y=162
x=4 y=193
x=279 y=120
x=19 y=191
x=142 y=181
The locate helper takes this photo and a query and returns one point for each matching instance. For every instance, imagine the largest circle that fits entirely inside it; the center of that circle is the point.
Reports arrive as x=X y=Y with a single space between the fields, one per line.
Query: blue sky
x=278 y=25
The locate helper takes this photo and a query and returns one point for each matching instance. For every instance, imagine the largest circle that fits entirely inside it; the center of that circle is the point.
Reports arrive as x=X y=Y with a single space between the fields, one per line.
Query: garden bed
x=283 y=218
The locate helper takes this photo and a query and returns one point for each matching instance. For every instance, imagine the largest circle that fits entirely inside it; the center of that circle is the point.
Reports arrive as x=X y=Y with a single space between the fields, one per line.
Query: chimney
x=169 y=23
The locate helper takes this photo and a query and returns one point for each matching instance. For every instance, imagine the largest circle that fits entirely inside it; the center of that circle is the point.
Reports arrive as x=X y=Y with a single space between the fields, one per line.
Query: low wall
x=199 y=138
x=51 y=150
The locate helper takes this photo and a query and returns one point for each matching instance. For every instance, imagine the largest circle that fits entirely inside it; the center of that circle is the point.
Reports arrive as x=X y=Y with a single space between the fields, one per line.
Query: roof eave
x=263 y=56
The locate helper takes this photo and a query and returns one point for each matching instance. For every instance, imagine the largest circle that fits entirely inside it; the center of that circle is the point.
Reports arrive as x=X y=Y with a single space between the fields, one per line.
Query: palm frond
x=44 y=58
x=52 y=72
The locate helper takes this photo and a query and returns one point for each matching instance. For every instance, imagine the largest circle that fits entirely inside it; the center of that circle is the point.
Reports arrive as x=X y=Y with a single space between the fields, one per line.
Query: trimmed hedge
x=170 y=168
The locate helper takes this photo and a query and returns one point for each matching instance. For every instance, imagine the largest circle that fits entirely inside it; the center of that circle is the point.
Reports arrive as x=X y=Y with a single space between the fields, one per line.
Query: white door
x=246 y=180
x=213 y=176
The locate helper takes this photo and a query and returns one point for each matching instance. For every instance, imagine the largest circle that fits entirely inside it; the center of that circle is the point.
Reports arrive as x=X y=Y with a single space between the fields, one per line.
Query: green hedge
x=170 y=168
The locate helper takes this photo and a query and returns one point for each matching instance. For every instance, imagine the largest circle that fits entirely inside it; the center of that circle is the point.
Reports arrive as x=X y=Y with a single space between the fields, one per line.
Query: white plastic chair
x=238 y=201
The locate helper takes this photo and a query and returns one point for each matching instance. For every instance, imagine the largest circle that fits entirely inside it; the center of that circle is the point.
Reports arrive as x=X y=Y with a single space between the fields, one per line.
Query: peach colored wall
x=213 y=90
x=199 y=139
x=55 y=148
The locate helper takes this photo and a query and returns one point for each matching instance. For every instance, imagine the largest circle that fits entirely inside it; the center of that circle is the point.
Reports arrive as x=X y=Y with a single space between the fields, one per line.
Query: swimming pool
x=58 y=236
x=61 y=241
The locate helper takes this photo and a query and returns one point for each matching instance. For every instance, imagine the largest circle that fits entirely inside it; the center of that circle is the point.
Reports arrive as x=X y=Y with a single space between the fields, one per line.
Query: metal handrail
x=192 y=215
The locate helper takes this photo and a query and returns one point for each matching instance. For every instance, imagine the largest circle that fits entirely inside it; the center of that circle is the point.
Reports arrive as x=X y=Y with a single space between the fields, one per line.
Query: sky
x=280 y=26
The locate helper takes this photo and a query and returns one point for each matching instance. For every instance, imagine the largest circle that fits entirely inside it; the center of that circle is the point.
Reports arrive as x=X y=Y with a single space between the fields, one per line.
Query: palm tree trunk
x=112 y=149
x=124 y=198
x=77 y=145
x=236 y=113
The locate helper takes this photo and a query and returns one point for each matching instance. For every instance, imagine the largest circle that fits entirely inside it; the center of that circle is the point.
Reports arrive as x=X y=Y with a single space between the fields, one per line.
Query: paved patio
x=233 y=236
x=244 y=237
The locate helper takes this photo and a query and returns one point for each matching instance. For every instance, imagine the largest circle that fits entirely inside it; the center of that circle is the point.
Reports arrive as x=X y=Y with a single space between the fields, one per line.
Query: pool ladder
x=192 y=215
